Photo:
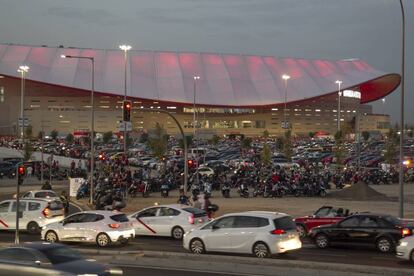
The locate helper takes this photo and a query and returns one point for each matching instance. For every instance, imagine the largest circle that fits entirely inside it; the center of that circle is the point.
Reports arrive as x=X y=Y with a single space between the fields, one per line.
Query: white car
x=44 y=194
x=259 y=233
x=36 y=213
x=405 y=248
x=100 y=227
x=167 y=220
x=205 y=171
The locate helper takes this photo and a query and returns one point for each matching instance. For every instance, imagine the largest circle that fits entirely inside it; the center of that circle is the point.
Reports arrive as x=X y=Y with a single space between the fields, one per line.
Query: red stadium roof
x=225 y=79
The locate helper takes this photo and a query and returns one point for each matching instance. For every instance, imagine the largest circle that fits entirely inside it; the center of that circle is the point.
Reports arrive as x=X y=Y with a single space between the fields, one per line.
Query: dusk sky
x=326 y=29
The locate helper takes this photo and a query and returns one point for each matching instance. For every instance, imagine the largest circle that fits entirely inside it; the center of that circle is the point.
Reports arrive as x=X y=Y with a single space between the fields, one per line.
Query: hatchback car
x=100 y=227
x=55 y=256
x=35 y=213
x=259 y=233
x=168 y=220
x=45 y=194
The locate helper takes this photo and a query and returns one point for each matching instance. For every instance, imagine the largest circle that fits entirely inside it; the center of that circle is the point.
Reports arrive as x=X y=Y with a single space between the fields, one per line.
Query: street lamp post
x=196 y=78
x=285 y=124
x=22 y=70
x=383 y=105
x=125 y=48
x=338 y=118
x=92 y=60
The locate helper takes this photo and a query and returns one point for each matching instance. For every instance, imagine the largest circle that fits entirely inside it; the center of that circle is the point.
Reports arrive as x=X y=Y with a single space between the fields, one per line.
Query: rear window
x=55 y=205
x=119 y=218
x=196 y=212
x=393 y=220
x=250 y=222
x=45 y=194
x=284 y=223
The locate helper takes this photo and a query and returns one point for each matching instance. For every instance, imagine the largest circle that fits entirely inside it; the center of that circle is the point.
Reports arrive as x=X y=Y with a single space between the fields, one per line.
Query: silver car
x=100 y=227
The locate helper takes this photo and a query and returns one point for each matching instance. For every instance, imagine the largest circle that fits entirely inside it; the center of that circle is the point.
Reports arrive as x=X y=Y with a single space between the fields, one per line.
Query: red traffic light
x=21 y=170
x=128 y=106
x=101 y=157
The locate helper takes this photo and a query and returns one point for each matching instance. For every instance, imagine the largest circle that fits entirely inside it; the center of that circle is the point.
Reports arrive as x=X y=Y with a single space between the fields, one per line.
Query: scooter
x=164 y=190
x=243 y=191
x=225 y=191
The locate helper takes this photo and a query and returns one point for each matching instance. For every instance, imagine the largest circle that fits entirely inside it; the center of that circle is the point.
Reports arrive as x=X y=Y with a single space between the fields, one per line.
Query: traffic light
x=101 y=157
x=190 y=163
x=127 y=111
x=21 y=172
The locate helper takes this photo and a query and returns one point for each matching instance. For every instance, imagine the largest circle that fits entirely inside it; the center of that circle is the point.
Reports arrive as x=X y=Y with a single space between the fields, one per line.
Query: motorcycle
x=144 y=188
x=164 y=190
x=83 y=191
x=243 y=191
x=225 y=191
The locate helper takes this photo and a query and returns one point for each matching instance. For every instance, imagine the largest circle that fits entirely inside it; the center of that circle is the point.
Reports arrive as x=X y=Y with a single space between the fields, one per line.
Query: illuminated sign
x=352 y=94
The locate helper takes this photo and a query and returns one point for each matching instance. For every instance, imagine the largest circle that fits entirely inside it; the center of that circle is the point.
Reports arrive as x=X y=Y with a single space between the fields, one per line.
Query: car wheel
x=102 y=240
x=412 y=256
x=33 y=228
x=197 y=246
x=261 y=250
x=301 y=231
x=177 y=233
x=384 y=245
x=51 y=237
x=322 y=241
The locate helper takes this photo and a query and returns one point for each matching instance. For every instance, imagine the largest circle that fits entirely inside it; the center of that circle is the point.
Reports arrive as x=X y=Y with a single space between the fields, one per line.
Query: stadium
x=234 y=94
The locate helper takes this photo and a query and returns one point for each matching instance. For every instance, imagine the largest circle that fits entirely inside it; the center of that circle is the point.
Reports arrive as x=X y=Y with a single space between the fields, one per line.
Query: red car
x=324 y=215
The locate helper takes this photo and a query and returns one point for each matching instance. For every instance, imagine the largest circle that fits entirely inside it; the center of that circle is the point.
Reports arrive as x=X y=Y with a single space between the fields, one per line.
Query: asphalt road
x=156 y=271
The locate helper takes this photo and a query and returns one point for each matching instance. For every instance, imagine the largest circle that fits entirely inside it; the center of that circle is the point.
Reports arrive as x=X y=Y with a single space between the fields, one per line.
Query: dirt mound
x=359 y=191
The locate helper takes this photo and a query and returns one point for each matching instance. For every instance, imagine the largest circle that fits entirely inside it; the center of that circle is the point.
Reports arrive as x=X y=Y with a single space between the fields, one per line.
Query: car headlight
x=403 y=243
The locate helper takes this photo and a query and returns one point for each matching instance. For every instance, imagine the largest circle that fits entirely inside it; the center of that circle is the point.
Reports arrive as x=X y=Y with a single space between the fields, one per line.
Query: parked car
x=405 y=249
x=167 y=220
x=259 y=233
x=7 y=169
x=322 y=216
x=44 y=194
x=100 y=227
x=383 y=231
x=36 y=213
x=55 y=256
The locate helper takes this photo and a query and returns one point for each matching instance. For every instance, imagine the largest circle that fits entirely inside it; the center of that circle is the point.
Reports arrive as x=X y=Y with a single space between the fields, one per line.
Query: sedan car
x=383 y=231
x=259 y=233
x=100 y=227
x=55 y=256
x=167 y=220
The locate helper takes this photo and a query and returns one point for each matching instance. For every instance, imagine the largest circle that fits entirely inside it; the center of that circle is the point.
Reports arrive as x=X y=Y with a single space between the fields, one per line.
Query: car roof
x=372 y=214
x=263 y=214
x=176 y=206
x=28 y=199
x=101 y=212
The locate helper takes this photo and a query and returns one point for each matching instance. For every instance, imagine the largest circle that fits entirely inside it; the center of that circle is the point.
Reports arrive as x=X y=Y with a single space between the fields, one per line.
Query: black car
x=7 y=169
x=383 y=231
x=54 y=256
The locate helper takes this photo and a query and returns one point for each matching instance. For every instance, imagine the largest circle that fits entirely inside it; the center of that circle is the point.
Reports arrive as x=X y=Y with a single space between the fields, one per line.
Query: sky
x=326 y=29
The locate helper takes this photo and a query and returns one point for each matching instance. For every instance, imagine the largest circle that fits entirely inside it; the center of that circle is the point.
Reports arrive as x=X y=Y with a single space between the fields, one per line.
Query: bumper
x=402 y=252
x=116 y=236
x=285 y=246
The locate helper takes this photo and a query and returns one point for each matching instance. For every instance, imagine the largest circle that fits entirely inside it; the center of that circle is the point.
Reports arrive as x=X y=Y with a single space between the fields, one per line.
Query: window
x=73 y=219
x=165 y=211
x=45 y=194
x=226 y=222
x=4 y=207
x=368 y=222
x=350 y=222
x=22 y=206
x=91 y=218
x=284 y=223
x=34 y=206
x=120 y=218
x=250 y=222
x=152 y=212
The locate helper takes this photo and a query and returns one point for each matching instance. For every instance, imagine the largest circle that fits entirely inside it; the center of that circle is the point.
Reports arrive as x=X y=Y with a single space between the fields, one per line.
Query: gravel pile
x=359 y=191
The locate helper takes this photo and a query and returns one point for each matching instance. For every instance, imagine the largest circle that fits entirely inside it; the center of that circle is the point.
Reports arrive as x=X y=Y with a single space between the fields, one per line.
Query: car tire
x=51 y=237
x=261 y=250
x=322 y=241
x=197 y=246
x=384 y=244
x=177 y=233
x=33 y=228
x=412 y=256
x=103 y=240
x=301 y=231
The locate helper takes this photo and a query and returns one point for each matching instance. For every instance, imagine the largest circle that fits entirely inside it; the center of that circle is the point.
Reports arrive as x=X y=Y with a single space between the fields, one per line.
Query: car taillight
x=278 y=232
x=191 y=219
x=46 y=212
x=114 y=225
x=405 y=232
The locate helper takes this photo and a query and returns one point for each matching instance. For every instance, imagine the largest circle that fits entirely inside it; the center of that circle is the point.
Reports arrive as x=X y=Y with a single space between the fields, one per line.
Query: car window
x=55 y=205
x=226 y=222
x=323 y=212
x=74 y=218
x=33 y=206
x=350 y=222
x=17 y=255
x=195 y=211
x=249 y=222
x=152 y=212
x=284 y=223
x=120 y=218
x=27 y=194
x=4 y=207
x=368 y=222
x=91 y=218
x=45 y=194
x=22 y=206
x=165 y=211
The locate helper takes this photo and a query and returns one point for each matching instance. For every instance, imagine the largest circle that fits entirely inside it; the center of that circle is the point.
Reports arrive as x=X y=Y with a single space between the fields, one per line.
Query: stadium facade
x=235 y=93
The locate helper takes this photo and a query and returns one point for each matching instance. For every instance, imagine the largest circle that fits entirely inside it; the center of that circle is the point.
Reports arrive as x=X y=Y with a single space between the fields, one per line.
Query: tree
x=266 y=134
x=246 y=143
x=391 y=146
x=69 y=138
x=215 y=139
x=54 y=134
x=28 y=151
x=143 y=138
x=339 y=151
x=287 y=145
x=40 y=135
x=365 y=135
x=106 y=137
x=279 y=143
x=311 y=134
x=158 y=141
x=266 y=155
x=189 y=139
x=29 y=131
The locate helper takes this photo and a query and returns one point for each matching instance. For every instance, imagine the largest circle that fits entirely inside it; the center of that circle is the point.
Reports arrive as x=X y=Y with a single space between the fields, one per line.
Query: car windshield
x=55 y=205
x=120 y=218
x=393 y=220
x=62 y=254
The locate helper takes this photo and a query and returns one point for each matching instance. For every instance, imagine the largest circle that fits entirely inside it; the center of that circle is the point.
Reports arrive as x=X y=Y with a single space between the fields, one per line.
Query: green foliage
x=158 y=142
x=189 y=139
x=143 y=138
x=29 y=131
x=287 y=145
x=265 y=134
x=54 y=134
x=69 y=138
x=40 y=135
x=266 y=155
x=28 y=151
x=311 y=134
x=246 y=142
x=391 y=146
x=339 y=151
x=106 y=137
x=215 y=139
x=279 y=143
x=365 y=135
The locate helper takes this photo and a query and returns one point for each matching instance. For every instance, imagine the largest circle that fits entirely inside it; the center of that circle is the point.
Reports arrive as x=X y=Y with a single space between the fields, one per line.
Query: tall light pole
x=401 y=180
x=383 y=105
x=125 y=48
x=23 y=69
x=338 y=118
x=195 y=78
x=285 y=78
x=92 y=60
